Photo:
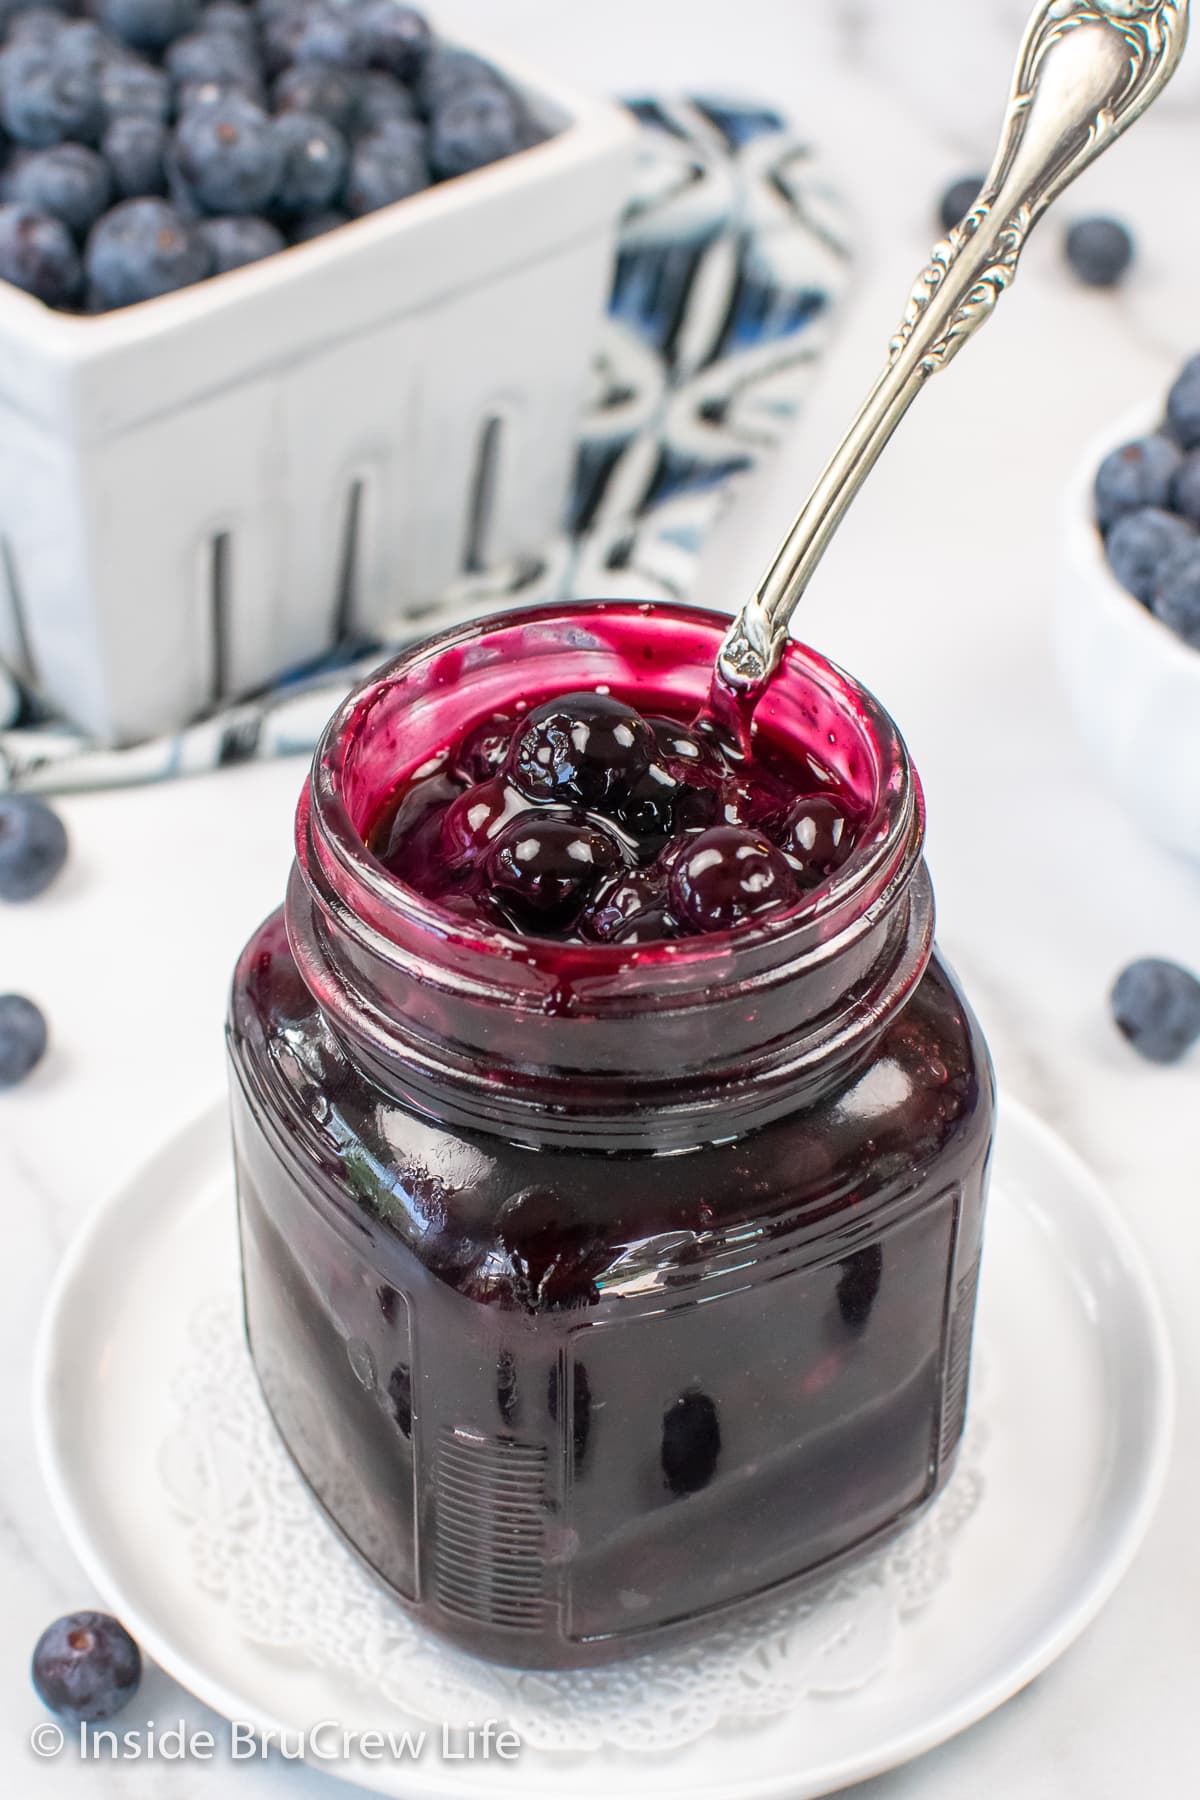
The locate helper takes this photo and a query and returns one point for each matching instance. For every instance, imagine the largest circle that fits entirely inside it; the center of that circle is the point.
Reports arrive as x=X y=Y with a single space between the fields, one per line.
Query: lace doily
x=260 y=1546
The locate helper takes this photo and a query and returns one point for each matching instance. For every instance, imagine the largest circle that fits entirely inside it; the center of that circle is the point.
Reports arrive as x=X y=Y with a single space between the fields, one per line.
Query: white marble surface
x=937 y=595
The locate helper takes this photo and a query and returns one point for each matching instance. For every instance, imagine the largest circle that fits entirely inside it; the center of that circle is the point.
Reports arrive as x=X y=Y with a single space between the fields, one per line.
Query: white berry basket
x=1133 y=686
x=203 y=491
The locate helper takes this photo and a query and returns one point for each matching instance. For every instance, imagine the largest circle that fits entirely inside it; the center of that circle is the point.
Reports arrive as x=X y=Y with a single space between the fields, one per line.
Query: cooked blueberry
x=141 y=249
x=542 y=869
x=204 y=56
x=229 y=156
x=1134 y=476
x=584 y=749
x=1156 y=1005
x=684 y=751
x=128 y=88
x=1183 y=405
x=415 y=819
x=1141 y=543
x=1185 y=488
x=654 y=926
x=333 y=35
x=619 y=901
x=33 y=846
x=314 y=163
x=472 y=128
x=37 y=253
x=68 y=181
x=859 y=1283
x=239 y=240
x=1176 y=594
x=1099 y=250
x=148 y=24
x=958 y=200
x=648 y=811
x=330 y=93
x=818 y=836
x=728 y=877
x=135 y=149
x=47 y=99
x=387 y=166
x=691 y=1443
x=484 y=750
x=381 y=100
x=23 y=1038
x=317 y=225
x=86 y=1666
x=398 y=37
x=479 y=815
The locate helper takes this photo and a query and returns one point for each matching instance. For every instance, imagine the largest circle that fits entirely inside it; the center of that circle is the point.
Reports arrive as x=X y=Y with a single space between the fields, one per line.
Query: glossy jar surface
x=596 y=1290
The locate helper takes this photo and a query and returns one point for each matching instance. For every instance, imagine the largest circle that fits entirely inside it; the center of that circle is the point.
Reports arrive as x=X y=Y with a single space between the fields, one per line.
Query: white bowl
x=1132 y=684
x=205 y=490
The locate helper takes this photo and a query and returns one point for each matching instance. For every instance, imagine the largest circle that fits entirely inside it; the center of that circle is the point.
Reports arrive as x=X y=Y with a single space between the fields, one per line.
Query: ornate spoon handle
x=1087 y=70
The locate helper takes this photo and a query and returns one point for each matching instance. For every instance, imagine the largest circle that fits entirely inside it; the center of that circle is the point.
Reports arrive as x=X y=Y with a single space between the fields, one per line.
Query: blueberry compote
x=611 y=1149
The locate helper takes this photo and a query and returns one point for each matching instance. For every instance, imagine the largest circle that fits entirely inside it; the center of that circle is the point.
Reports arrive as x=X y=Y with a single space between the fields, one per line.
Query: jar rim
x=408 y=918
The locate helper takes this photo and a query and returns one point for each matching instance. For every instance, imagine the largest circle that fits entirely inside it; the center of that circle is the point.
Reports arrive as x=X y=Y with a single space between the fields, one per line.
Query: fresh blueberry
x=135 y=149
x=541 y=869
x=1134 y=476
x=381 y=100
x=472 y=128
x=314 y=163
x=68 y=181
x=818 y=836
x=310 y=88
x=208 y=93
x=210 y=56
x=47 y=100
x=231 y=18
x=398 y=38
x=317 y=225
x=228 y=156
x=33 y=846
x=280 y=29
x=130 y=87
x=1183 y=405
x=958 y=200
x=333 y=36
x=148 y=24
x=1176 y=596
x=1099 y=250
x=236 y=241
x=1140 y=544
x=447 y=72
x=37 y=253
x=728 y=877
x=141 y=249
x=388 y=165
x=582 y=749
x=23 y=1038
x=81 y=44
x=1156 y=1005
x=86 y=1666
x=35 y=25
x=1185 y=488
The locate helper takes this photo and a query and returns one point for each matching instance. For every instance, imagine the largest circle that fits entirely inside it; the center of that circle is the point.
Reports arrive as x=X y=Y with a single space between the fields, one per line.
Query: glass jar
x=598 y=1290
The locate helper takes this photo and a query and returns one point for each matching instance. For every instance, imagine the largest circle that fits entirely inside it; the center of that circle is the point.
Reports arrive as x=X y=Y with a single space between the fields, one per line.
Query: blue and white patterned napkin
x=732 y=258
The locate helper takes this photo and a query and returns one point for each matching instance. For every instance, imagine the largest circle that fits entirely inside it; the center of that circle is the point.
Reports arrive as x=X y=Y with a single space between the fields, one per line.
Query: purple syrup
x=588 y=821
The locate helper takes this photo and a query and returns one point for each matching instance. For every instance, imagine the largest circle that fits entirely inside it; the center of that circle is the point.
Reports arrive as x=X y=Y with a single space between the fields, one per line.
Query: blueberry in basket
x=294 y=116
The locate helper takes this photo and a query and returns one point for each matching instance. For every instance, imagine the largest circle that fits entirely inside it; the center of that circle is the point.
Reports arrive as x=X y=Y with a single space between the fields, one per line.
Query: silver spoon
x=1087 y=70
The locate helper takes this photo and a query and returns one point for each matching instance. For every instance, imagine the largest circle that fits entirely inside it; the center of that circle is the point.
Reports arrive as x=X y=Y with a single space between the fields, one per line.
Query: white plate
x=1078 y=1405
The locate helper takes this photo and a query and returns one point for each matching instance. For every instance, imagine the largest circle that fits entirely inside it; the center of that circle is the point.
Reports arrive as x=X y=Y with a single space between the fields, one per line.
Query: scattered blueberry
x=1140 y=544
x=472 y=128
x=228 y=156
x=37 y=253
x=387 y=166
x=33 y=846
x=149 y=24
x=23 y=1038
x=958 y=200
x=1156 y=1005
x=86 y=1667
x=1183 y=405
x=239 y=240
x=1176 y=595
x=1099 y=250
x=135 y=149
x=68 y=181
x=314 y=163
x=310 y=88
x=1136 y=475
x=141 y=249
x=398 y=38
